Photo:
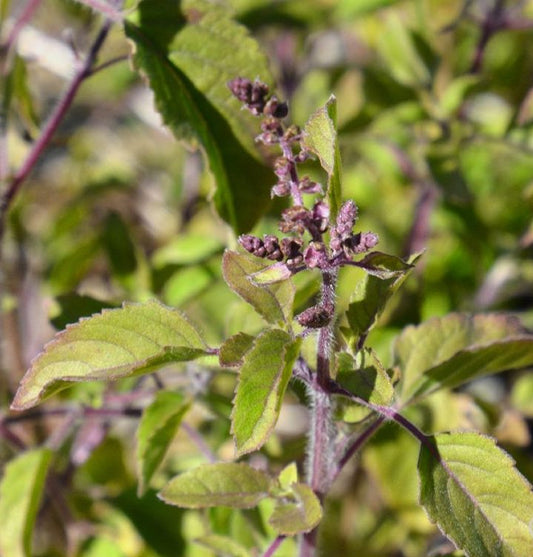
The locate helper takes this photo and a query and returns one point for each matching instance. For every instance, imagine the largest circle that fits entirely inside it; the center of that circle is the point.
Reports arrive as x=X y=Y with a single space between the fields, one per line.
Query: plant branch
x=51 y=126
x=273 y=547
x=493 y=22
x=198 y=440
x=104 y=8
x=25 y=16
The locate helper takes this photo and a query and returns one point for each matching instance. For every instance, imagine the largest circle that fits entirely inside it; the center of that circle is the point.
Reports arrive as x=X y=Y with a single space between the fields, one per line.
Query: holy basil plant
x=315 y=290
x=468 y=486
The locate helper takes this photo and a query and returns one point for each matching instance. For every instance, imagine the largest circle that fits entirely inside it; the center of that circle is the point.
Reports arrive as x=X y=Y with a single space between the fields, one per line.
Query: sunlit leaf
x=226 y=484
x=132 y=340
x=272 y=274
x=371 y=294
x=20 y=495
x=448 y=351
x=189 y=51
x=263 y=379
x=384 y=266
x=272 y=301
x=155 y=433
x=320 y=137
x=473 y=491
x=302 y=514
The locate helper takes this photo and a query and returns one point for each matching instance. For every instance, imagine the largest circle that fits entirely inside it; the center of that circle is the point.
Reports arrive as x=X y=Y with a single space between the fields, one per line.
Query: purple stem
x=24 y=17
x=273 y=546
x=198 y=440
x=320 y=441
x=104 y=8
x=494 y=22
x=51 y=126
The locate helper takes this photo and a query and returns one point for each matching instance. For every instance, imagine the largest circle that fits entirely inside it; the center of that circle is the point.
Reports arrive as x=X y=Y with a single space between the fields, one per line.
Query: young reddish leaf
x=320 y=137
x=263 y=379
x=225 y=484
x=132 y=340
x=20 y=495
x=155 y=433
x=174 y=53
x=298 y=516
x=234 y=348
x=448 y=351
x=273 y=301
x=472 y=490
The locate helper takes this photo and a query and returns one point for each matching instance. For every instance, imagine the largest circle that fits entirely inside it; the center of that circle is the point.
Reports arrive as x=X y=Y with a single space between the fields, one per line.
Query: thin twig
x=493 y=22
x=273 y=547
x=51 y=126
x=199 y=442
x=104 y=8
x=25 y=16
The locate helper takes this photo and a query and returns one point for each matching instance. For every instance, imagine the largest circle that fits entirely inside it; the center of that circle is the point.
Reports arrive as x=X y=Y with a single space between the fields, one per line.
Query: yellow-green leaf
x=225 y=484
x=132 y=340
x=299 y=515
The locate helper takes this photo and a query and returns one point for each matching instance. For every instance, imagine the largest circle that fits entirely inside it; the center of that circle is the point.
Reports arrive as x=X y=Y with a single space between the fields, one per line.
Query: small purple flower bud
x=292 y=134
x=292 y=250
x=294 y=219
x=273 y=251
x=282 y=167
x=241 y=88
x=321 y=215
x=252 y=244
x=315 y=256
x=281 y=189
x=302 y=156
x=315 y=317
x=306 y=185
x=346 y=218
x=359 y=243
x=276 y=108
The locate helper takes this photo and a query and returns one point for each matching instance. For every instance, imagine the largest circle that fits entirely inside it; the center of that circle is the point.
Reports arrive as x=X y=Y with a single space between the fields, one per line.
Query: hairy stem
x=321 y=442
x=273 y=547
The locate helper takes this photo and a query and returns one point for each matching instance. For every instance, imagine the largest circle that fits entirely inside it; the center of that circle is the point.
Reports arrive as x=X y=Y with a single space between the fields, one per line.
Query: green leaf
x=189 y=51
x=119 y=245
x=272 y=274
x=232 y=351
x=155 y=433
x=364 y=376
x=522 y=395
x=20 y=495
x=398 y=47
x=226 y=484
x=186 y=249
x=472 y=490
x=320 y=137
x=262 y=382
x=123 y=342
x=222 y=545
x=448 y=351
x=300 y=515
x=272 y=301
x=384 y=266
x=371 y=295
x=288 y=476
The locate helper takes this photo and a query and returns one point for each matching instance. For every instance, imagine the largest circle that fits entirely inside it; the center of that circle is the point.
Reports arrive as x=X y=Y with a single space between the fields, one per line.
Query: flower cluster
x=297 y=219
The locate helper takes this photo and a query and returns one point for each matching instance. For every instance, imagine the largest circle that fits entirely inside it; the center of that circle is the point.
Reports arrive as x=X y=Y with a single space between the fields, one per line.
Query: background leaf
x=20 y=495
x=155 y=433
x=131 y=340
x=263 y=379
x=472 y=490
x=226 y=484
x=188 y=57
x=448 y=351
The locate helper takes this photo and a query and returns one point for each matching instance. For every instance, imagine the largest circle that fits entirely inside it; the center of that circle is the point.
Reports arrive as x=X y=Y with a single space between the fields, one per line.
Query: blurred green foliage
x=437 y=152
